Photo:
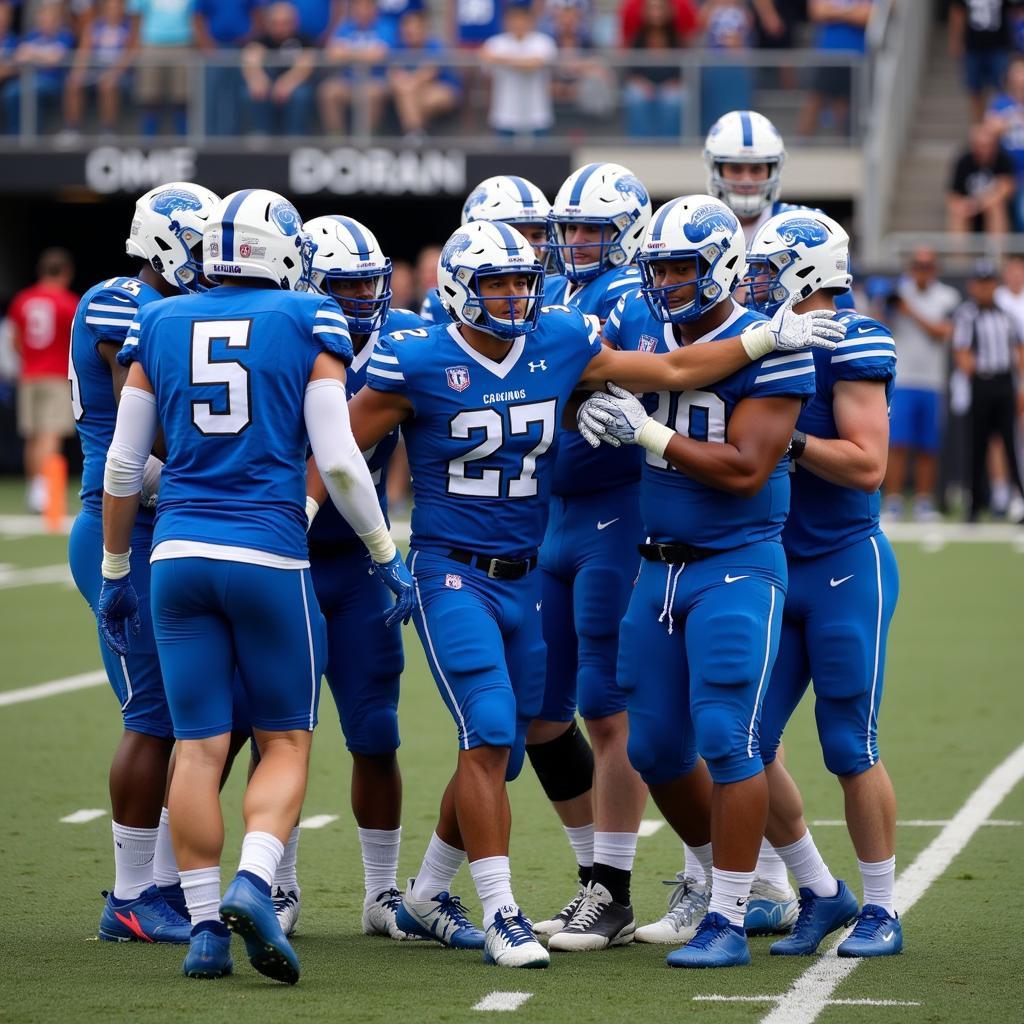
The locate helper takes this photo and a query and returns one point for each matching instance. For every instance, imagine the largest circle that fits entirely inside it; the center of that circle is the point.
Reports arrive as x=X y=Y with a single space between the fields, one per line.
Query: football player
x=237 y=378
x=166 y=234
x=479 y=401
x=843 y=587
x=714 y=496
x=364 y=656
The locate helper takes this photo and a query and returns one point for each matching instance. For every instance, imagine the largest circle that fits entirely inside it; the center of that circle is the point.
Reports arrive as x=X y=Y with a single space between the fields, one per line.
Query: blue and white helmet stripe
x=230 y=212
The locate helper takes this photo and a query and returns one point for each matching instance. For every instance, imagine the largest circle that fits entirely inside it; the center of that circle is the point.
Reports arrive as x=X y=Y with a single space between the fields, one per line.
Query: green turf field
x=952 y=713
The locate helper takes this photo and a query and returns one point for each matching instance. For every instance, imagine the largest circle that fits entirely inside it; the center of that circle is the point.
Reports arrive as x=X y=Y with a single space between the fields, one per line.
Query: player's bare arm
x=374 y=414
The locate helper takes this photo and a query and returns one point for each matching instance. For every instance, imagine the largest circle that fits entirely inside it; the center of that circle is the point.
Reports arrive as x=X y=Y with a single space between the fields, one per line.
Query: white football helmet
x=258 y=233
x=692 y=227
x=348 y=251
x=512 y=200
x=744 y=137
x=168 y=223
x=796 y=254
x=484 y=249
x=609 y=195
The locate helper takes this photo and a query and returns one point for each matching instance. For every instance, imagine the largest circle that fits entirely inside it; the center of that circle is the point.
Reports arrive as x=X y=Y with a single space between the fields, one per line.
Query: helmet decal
x=706 y=219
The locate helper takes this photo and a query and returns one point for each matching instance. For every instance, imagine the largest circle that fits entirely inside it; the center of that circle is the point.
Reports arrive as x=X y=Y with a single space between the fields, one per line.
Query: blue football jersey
x=480 y=437
x=330 y=526
x=580 y=469
x=229 y=368
x=824 y=516
x=676 y=507
x=104 y=314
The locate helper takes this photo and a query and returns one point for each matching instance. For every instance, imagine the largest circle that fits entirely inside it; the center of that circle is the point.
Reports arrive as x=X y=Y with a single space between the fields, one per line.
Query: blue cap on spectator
x=985 y=270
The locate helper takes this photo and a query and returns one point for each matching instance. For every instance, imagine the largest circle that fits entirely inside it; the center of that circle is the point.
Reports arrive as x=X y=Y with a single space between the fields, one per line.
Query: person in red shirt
x=41 y=316
x=631 y=18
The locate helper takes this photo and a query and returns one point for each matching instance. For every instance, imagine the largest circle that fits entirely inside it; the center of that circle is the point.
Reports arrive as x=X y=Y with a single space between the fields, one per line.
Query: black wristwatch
x=797 y=444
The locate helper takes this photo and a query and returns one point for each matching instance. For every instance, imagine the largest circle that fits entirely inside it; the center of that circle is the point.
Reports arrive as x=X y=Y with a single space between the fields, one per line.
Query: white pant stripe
x=764 y=673
x=878 y=645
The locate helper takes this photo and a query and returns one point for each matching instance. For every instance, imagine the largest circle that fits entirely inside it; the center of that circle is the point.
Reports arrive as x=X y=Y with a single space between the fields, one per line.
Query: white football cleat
x=379 y=915
x=562 y=918
x=287 y=907
x=771 y=910
x=599 y=922
x=687 y=906
x=510 y=942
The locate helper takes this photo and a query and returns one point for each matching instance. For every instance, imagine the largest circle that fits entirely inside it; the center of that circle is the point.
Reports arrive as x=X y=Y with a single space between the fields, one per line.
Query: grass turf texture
x=952 y=712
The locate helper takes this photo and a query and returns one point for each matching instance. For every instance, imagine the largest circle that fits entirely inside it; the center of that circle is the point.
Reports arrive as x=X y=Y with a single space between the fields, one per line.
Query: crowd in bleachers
x=302 y=66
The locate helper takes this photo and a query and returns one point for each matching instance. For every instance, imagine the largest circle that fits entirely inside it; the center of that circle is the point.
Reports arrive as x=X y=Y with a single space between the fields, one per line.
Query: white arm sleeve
x=133 y=441
x=343 y=467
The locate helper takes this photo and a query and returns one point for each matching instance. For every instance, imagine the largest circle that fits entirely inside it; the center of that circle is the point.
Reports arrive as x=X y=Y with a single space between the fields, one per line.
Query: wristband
x=797 y=444
x=655 y=436
x=380 y=545
x=312 y=507
x=757 y=342
x=115 y=567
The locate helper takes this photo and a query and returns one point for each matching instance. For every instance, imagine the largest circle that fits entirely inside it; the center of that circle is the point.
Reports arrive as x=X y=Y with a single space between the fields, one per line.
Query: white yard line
x=30 y=526
x=318 y=821
x=649 y=826
x=922 y=822
x=51 y=689
x=503 y=1001
x=831 y=1002
x=82 y=816
x=812 y=991
x=11 y=577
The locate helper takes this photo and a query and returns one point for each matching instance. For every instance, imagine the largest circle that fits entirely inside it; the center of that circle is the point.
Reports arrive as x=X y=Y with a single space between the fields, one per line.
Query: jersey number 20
x=235 y=414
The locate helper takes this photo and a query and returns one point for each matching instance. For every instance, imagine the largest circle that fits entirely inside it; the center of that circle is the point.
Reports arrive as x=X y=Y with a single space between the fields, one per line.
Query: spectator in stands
x=162 y=37
x=280 y=93
x=420 y=90
x=841 y=27
x=8 y=44
x=475 y=21
x=101 y=66
x=392 y=12
x=318 y=18
x=579 y=81
x=44 y=49
x=777 y=21
x=979 y=35
x=426 y=272
x=403 y=286
x=921 y=323
x=632 y=18
x=653 y=95
x=519 y=61
x=41 y=317
x=360 y=42
x=1006 y=115
x=222 y=28
x=728 y=28
x=1010 y=294
x=982 y=186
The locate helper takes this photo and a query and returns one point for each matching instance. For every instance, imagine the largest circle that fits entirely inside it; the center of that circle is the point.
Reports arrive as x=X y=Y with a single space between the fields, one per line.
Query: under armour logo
x=541 y=364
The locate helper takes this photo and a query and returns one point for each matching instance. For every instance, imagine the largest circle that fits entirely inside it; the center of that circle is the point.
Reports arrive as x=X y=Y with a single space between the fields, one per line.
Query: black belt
x=496 y=568
x=674 y=553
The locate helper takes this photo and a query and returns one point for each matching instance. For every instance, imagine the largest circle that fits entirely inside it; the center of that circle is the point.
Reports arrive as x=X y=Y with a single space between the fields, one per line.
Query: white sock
x=202 y=893
x=261 y=853
x=285 y=878
x=730 y=891
x=771 y=867
x=133 y=860
x=493 y=879
x=879 y=881
x=697 y=863
x=615 y=849
x=440 y=864
x=380 y=859
x=809 y=870
x=165 y=867
x=582 y=842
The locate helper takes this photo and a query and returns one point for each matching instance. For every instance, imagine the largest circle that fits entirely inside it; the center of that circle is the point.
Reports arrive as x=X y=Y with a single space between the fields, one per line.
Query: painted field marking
x=923 y=822
x=318 y=821
x=812 y=990
x=10 y=577
x=52 y=688
x=502 y=1001
x=831 y=1002
x=31 y=526
x=649 y=826
x=84 y=815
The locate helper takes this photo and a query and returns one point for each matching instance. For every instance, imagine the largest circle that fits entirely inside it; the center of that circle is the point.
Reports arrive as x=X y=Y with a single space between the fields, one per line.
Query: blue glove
x=117 y=613
x=397 y=578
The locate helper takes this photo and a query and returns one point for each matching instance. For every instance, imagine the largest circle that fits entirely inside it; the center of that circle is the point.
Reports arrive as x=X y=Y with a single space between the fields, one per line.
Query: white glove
x=312 y=507
x=792 y=332
x=151 y=482
x=619 y=418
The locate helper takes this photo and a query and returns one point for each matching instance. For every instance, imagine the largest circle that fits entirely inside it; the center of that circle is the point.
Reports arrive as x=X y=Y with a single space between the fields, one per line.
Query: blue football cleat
x=716 y=944
x=819 y=915
x=250 y=913
x=147 y=918
x=876 y=933
x=174 y=897
x=209 y=955
x=771 y=910
x=442 y=918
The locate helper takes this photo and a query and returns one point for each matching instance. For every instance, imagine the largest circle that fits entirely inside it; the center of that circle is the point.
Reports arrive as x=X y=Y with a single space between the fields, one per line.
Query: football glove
x=619 y=418
x=117 y=613
x=793 y=332
x=397 y=578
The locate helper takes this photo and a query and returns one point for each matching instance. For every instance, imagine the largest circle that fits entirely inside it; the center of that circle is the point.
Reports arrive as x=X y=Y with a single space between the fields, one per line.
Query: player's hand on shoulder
x=396 y=577
x=818 y=328
x=117 y=613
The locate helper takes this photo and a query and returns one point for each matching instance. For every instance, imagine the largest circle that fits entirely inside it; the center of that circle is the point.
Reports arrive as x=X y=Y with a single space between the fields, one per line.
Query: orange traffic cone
x=55 y=473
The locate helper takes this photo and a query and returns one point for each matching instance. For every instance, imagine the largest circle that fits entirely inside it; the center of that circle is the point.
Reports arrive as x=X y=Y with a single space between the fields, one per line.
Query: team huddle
x=645 y=449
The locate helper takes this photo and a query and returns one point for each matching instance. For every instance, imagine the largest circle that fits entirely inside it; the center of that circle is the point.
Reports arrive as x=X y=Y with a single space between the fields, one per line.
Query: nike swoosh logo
x=889 y=937
x=735 y=579
x=741 y=903
x=131 y=922
x=603 y=526
x=539 y=603
x=835 y=583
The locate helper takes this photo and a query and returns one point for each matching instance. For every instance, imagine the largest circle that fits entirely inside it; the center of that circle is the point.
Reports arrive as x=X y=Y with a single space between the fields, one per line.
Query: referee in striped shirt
x=989 y=350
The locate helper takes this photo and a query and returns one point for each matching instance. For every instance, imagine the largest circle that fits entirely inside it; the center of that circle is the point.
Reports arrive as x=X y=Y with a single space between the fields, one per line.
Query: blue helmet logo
x=630 y=185
x=805 y=230
x=286 y=217
x=706 y=219
x=455 y=245
x=475 y=198
x=172 y=199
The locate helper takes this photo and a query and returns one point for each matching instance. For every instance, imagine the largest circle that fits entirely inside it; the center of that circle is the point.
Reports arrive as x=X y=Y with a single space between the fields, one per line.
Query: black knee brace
x=564 y=765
